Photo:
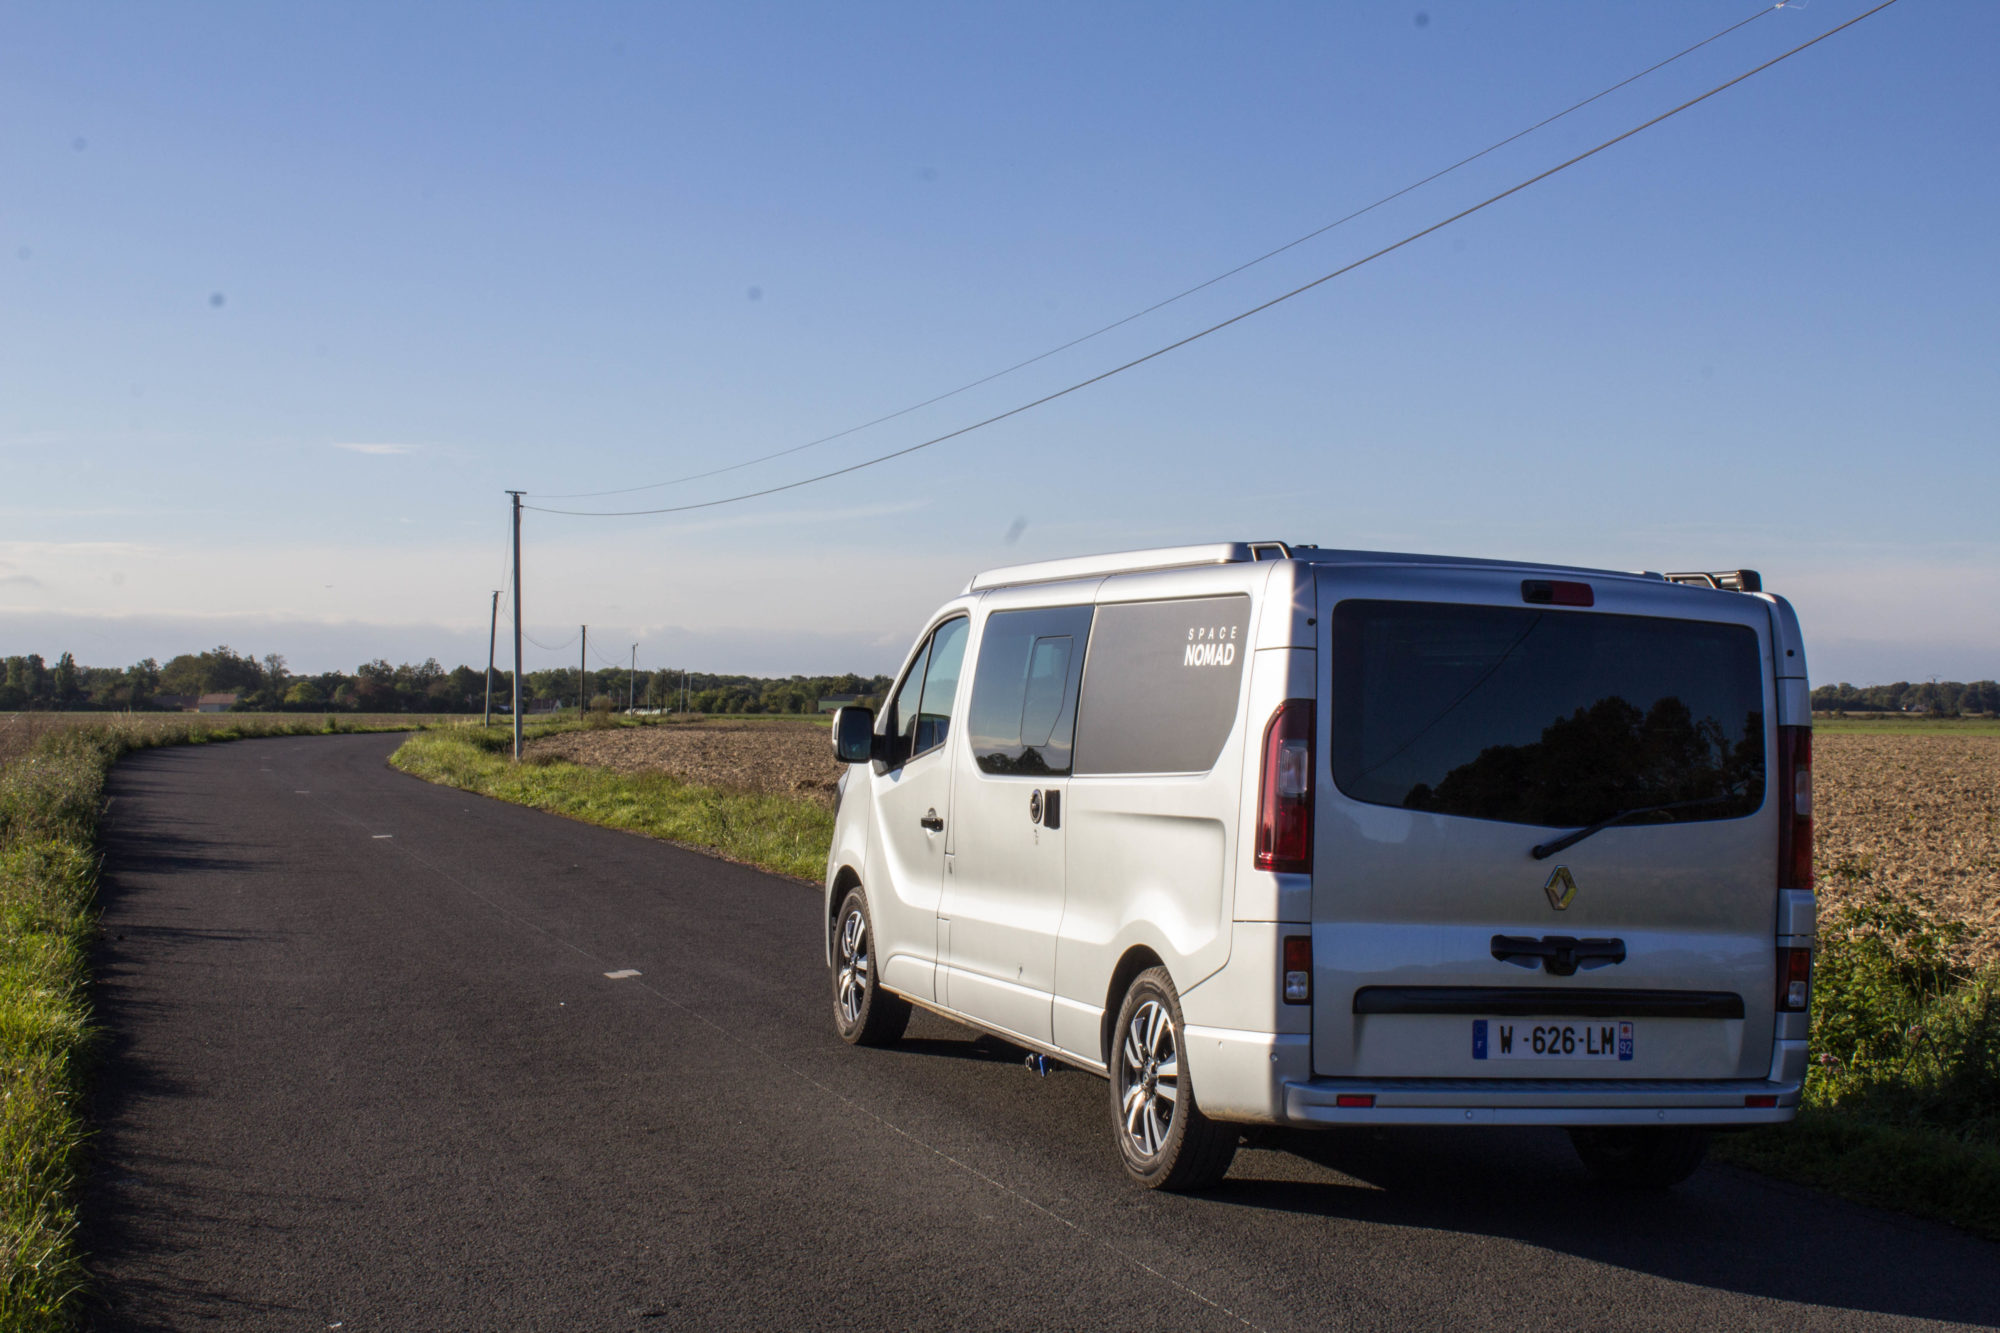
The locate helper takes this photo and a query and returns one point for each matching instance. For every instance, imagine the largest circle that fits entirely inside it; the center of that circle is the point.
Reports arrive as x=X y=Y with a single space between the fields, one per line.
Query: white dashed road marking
x=379 y=836
x=622 y=973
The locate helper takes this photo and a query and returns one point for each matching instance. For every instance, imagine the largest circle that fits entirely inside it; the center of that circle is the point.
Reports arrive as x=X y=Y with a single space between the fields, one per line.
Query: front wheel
x=1641 y=1159
x=1163 y=1138
x=863 y=1013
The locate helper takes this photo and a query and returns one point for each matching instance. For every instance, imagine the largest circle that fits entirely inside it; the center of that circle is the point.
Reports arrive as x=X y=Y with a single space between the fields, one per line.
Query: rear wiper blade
x=1544 y=850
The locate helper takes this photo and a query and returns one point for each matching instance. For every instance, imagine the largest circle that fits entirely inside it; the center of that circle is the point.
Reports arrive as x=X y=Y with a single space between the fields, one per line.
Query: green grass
x=1902 y=724
x=777 y=833
x=51 y=793
x=1902 y=1097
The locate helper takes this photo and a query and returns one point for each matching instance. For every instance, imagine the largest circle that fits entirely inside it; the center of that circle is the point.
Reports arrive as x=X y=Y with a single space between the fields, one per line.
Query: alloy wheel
x=855 y=967
x=1149 y=1073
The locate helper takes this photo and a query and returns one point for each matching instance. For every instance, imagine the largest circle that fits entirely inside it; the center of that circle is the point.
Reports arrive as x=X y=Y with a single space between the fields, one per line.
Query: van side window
x=1162 y=684
x=933 y=716
x=1024 y=689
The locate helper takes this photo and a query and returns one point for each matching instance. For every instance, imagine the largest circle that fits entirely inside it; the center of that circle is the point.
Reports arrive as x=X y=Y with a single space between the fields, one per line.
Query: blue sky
x=290 y=294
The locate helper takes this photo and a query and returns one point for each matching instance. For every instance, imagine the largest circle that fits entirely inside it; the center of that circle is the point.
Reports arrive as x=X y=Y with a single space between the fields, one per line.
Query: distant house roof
x=228 y=698
x=215 y=703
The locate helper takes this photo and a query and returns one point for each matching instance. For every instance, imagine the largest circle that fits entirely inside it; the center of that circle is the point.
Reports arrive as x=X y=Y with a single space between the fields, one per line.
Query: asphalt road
x=367 y=1071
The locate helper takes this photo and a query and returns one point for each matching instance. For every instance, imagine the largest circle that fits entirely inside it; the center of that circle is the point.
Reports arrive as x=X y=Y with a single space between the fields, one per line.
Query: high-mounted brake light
x=1298 y=969
x=1795 y=808
x=1794 y=979
x=1557 y=592
x=1285 y=797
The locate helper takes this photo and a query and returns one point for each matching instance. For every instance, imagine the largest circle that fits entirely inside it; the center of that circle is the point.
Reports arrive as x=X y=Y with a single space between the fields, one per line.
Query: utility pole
x=517 y=624
x=582 y=666
x=492 y=638
x=632 y=682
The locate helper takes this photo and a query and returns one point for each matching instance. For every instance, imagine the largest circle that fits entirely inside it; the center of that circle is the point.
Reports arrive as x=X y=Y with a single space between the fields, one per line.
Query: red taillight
x=1761 y=1099
x=1285 y=799
x=1298 y=969
x=1795 y=825
x=1794 y=979
x=1360 y=1100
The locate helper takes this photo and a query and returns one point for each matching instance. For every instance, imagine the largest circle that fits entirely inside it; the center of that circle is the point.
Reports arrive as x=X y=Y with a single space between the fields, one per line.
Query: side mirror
x=853 y=735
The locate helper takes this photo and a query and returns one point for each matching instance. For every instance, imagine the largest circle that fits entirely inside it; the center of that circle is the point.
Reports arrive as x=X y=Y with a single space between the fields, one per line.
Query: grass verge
x=1900 y=724
x=51 y=795
x=1902 y=1097
x=777 y=833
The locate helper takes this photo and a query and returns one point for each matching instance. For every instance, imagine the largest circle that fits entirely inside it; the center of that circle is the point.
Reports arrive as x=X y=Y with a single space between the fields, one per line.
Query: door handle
x=1560 y=955
x=931 y=821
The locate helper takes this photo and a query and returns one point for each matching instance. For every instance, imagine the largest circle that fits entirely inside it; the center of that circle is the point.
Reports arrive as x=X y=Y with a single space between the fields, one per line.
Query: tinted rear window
x=1545 y=717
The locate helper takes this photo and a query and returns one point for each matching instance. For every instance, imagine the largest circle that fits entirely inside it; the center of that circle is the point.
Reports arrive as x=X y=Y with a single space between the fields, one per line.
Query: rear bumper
x=1424 y=1101
x=1266 y=1078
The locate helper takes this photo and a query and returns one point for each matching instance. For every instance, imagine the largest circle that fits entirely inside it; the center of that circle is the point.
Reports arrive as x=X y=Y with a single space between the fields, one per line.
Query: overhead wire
x=550 y=647
x=1182 y=295
x=1233 y=319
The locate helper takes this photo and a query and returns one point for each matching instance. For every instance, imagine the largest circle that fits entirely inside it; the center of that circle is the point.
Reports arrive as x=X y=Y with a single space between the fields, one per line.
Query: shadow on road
x=1724 y=1229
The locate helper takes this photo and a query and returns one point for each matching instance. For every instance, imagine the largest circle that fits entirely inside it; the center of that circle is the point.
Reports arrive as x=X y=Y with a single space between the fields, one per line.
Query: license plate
x=1527 y=1039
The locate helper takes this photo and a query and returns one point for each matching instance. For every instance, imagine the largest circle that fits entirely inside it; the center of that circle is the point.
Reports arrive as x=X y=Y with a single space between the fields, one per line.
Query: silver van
x=1275 y=835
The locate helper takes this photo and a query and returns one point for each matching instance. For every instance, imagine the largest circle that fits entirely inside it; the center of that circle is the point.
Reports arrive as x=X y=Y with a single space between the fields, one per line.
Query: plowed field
x=788 y=758
x=1920 y=814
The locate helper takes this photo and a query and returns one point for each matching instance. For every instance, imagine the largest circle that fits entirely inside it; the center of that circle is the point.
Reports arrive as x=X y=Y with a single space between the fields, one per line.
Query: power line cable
x=1179 y=296
x=1233 y=319
x=549 y=647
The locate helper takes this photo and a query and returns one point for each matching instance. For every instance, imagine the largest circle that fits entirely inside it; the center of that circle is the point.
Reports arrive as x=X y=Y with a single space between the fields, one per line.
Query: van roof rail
x=1130 y=562
x=1725 y=580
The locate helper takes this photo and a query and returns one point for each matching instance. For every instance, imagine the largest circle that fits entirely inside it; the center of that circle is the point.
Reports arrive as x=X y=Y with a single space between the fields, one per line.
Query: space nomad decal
x=1210 y=645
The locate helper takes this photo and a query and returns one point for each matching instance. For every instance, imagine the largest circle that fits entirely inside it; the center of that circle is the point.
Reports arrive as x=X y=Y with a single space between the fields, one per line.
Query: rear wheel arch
x=1136 y=960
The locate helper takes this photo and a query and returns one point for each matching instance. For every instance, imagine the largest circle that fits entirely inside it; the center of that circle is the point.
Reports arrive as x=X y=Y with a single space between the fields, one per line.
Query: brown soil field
x=787 y=758
x=1917 y=814
x=1913 y=813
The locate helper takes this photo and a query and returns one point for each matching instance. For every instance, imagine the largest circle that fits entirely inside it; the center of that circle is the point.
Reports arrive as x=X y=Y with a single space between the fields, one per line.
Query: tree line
x=266 y=684
x=1944 y=698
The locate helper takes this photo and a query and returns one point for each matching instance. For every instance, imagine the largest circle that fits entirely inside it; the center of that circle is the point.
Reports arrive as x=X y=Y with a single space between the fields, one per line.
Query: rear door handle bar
x=1559 y=955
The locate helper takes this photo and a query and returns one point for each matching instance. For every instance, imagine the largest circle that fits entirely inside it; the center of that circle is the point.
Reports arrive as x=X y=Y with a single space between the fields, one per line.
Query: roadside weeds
x=787 y=835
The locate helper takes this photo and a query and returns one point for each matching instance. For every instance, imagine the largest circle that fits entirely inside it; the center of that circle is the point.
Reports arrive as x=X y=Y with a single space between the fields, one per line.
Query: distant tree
x=65 y=681
x=142 y=681
x=304 y=693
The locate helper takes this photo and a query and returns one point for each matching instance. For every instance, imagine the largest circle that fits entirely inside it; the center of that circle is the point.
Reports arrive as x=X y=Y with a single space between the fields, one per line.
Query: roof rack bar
x=1724 y=580
x=1130 y=562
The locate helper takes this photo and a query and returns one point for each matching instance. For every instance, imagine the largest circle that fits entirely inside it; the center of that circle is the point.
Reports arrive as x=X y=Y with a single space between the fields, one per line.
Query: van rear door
x=1473 y=715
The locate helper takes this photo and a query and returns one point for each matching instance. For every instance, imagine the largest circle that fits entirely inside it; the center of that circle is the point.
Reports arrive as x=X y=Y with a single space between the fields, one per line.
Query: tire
x=1641 y=1159
x=1164 y=1140
x=863 y=1013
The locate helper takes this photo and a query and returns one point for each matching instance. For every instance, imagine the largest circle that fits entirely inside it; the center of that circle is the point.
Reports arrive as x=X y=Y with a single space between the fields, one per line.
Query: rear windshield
x=1559 y=718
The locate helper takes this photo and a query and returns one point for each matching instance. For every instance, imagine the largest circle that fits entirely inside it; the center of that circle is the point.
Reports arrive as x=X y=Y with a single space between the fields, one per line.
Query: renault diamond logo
x=1560 y=888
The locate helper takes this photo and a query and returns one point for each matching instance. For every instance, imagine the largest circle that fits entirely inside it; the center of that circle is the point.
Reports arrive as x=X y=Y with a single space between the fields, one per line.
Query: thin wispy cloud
x=378 y=448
